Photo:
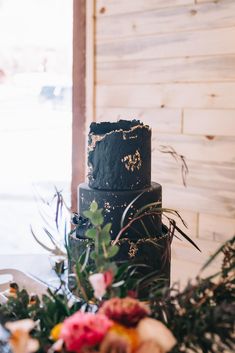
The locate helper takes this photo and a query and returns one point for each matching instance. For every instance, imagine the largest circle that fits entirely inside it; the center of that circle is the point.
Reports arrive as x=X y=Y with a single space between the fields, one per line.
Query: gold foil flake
x=107 y=205
x=132 y=250
x=125 y=136
x=94 y=140
x=134 y=246
x=132 y=162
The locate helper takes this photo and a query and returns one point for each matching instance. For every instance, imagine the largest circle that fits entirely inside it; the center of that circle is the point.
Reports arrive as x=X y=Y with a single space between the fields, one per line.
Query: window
x=35 y=113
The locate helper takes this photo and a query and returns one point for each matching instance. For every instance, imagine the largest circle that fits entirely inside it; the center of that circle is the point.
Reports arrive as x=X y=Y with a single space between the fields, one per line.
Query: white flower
x=97 y=281
x=20 y=341
x=155 y=331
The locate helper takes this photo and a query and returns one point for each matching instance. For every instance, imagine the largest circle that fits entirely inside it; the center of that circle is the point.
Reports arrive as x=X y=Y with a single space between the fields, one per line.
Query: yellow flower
x=55 y=332
x=127 y=333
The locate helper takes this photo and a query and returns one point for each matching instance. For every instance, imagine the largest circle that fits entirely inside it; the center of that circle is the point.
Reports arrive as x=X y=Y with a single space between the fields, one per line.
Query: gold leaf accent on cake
x=132 y=250
x=132 y=161
x=134 y=245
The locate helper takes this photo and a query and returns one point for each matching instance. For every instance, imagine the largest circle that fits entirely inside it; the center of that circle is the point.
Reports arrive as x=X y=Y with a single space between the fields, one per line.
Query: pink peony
x=84 y=329
x=126 y=311
x=100 y=282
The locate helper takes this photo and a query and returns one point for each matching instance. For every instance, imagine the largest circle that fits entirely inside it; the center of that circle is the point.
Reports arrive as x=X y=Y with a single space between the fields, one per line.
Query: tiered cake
x=119 y=162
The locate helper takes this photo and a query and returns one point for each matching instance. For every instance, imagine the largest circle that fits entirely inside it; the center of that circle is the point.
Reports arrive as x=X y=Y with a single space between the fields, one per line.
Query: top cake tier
x=119 y=155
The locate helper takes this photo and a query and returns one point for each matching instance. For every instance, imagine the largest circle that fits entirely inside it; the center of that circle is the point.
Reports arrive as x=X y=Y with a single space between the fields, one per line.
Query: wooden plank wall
x=171 y=63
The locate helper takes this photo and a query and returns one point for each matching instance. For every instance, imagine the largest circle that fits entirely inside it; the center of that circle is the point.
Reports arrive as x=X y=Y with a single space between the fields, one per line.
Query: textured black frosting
x=119 y=155
x=114 y=204
x=119 y=160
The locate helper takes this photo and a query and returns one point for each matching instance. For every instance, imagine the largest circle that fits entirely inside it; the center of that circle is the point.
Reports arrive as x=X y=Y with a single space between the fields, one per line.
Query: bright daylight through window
x=35 y=114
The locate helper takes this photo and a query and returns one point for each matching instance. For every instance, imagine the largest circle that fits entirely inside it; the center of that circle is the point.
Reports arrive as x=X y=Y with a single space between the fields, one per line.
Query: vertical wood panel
x=90 y=62
x=79 y=97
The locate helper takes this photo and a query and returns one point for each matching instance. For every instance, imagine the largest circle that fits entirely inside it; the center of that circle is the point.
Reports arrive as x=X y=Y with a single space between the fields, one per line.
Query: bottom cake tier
x=153 y=253
x=115 y=203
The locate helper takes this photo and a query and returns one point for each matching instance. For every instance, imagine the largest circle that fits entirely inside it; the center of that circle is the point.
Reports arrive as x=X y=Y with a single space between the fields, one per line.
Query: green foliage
x=202 y=315
x=103 y=249
x=52 y=309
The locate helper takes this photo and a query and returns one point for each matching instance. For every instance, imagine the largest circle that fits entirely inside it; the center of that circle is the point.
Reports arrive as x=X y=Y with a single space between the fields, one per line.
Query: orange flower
x=115 y=343
x=127 y=334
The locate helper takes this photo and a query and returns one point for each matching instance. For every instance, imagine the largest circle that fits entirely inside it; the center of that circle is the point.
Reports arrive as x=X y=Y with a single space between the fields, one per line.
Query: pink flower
x=84 y=329
x=126 y=311
x=100 y=282
x=108 y=278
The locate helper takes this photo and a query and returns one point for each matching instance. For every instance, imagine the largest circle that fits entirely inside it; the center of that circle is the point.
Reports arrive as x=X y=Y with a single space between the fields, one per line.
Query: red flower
x=84 y=329
x=127 y=311
x=108 y=278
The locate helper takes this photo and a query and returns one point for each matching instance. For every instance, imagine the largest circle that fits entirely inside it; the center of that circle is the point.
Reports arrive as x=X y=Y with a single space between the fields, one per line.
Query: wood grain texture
x=114 y=7
x=209 y=1
x=198 y=148
x=189 y=69
x=208 y=175
x=198 y=199
x=90 y=62
x=178 y=95
x=183 y=271
x=185 y=252
x=211 y=178
x=161 y=120
x=194 y=43
x=172 y=64
x=79 y=98
x=216 y=228
x=209 y=122
x=172 y=19
x=191 y=220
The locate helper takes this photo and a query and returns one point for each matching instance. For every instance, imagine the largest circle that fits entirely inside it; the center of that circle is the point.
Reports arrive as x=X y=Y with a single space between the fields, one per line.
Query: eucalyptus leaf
x=113 y=250
x=97 y=218
x=107 y=228
x=91 y=233
x=88 y=214
x=105 y=238
x=93 y=206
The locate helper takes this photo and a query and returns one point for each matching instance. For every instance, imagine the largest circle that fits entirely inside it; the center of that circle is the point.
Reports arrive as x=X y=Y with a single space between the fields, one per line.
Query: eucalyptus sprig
x=100 y=235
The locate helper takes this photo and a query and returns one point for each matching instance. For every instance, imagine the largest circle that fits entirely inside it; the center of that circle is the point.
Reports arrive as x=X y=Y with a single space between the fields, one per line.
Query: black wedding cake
x=119 y=180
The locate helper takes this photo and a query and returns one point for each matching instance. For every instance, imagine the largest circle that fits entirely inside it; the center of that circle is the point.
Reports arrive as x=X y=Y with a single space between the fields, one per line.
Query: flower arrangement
x=104 y=314
x=112 y=329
